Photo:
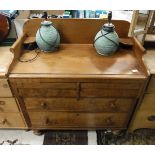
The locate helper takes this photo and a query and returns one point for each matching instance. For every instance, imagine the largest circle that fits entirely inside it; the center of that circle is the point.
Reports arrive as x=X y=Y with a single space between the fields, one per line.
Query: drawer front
x=145 y=115
x=113 y=88
x=11 y=120
x=113 y=84
x=4 y=88
x=148 y=104
x=42 y=92
x=77 y=120
x=46 y=84
x=105 y=88
x=83 y=104
x=151 y=86
x=109 y=93
x=144 y=120
x=8 y=105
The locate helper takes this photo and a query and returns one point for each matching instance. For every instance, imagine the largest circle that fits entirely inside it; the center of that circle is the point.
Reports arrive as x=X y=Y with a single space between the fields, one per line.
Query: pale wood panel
x=149 y=60
x=77 y=30
x=5 y=88
x=68 y=60
x=146 y=109
x=114 y=105
x=148 y=104
x=78 y=120
x=151 y=85
x=141 y=121
x=8 y=105
x=11 y=120
x=6 y=58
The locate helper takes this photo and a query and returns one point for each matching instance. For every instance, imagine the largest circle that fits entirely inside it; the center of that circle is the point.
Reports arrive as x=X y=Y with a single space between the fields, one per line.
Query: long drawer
x=4 y=88
x=72 y=83
x=77 y=120
x=106 y=88
x=11 y=120
x=84 y=104
x=8 y=105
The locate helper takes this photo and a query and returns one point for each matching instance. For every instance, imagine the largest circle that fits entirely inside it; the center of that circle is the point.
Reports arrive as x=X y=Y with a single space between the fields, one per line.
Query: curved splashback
x=80 y=31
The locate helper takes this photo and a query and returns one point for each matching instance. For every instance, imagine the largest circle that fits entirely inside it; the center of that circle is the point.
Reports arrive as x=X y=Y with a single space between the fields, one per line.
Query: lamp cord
x=33 y=59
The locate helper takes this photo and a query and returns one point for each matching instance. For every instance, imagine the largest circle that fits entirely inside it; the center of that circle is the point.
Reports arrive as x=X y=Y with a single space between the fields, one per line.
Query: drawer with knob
x=77 y=120
x=11 y=120
x=83 y=104
x=144 y=120
x=8 y=105
x=145 y=115
x=4 y=88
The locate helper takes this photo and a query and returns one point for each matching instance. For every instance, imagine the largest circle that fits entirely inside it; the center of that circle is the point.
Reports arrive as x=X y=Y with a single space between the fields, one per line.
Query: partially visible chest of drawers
x=145 y=114
x=77 y=103
x=10 y=116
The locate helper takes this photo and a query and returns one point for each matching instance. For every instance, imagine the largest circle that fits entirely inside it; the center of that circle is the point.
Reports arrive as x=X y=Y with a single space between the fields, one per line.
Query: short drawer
x=8 y=105
x=113 y=84
x=83 y=104
x=77 y=120
x=151 y=85
x=109 y=93
x=11 y=120
x=112 y=88
x=4 y=88
x=48 y=92
x=43 y=83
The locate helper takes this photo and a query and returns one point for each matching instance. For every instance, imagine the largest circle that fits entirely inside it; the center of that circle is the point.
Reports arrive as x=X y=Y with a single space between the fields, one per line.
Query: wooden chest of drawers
x=145 y=113
x=55 y=104
x=76 y=88
x=10 y=114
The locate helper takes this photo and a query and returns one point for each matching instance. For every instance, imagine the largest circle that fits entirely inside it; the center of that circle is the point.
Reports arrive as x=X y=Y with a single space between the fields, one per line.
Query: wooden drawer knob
x=113 y=106
x=2 y=103
x=47 y=121
x=5 y=86
x=151 y=118
x=108 y=121
x=3 y=122
x=44 y=105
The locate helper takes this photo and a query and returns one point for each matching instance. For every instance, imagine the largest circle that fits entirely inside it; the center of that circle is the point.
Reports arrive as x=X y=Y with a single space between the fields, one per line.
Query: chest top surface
x=76 y=55
x=79 y=59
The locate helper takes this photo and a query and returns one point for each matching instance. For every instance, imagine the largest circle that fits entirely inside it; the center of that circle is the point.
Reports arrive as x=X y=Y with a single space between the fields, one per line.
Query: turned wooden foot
x=38 y=132
x=118 y=132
